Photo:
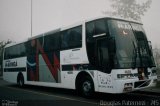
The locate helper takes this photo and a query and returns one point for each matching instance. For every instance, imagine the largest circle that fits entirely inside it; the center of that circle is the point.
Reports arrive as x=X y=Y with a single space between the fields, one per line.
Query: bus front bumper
x=125 y=86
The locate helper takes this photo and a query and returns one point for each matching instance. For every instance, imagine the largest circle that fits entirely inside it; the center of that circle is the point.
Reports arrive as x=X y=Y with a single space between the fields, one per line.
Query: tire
x=20 y=81
x=87 y=87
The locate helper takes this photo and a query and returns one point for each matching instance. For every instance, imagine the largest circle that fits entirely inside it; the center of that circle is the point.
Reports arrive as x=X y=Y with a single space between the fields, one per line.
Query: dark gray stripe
x=77 y=67
x=15 y=69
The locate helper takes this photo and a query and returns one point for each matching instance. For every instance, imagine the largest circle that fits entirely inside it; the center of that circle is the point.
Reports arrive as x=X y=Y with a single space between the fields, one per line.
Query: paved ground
x=152 y=90
x=40 y=96
x=45 y=96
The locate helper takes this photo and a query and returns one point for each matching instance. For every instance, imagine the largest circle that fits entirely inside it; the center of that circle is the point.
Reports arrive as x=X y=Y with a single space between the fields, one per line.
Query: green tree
x=156 y=52
x=2 y=45
x=130 y=9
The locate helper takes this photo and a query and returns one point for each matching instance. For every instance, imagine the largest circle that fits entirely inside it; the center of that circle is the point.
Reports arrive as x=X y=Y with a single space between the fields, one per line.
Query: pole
x=31 y=18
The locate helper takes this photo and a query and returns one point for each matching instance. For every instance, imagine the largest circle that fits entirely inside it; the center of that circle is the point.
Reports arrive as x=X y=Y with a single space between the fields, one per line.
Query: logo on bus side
x=10 y=63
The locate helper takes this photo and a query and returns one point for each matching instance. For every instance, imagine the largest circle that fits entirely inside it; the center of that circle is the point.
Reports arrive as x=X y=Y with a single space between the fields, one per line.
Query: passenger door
x=102 y=54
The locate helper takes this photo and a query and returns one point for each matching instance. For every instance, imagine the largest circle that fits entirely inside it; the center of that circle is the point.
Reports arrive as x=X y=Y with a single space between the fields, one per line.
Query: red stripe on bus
x=52 y=68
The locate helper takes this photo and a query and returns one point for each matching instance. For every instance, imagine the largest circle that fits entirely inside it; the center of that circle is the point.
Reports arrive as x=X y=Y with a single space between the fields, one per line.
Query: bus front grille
x=141 y=84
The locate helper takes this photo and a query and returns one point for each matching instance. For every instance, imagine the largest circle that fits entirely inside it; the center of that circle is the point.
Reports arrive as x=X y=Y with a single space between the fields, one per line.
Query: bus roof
x=114 y=18
x=15 y=43
x=99 y=17
x=73 y=25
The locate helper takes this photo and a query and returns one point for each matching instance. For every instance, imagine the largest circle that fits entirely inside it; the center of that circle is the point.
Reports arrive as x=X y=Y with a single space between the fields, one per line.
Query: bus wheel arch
x=84 y=84
x=20 y=79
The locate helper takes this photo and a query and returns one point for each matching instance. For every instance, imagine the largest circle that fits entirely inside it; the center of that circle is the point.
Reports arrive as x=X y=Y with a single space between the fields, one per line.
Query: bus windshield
x=144 y=51
x=132 y=49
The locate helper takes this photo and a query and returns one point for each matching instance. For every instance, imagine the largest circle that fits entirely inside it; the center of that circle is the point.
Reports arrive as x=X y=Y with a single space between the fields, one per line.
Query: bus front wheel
x=87 y=87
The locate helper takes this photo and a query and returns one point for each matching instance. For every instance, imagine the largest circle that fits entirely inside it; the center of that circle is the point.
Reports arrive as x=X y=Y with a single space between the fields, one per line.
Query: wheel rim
x=20 y=83
x=87 y=87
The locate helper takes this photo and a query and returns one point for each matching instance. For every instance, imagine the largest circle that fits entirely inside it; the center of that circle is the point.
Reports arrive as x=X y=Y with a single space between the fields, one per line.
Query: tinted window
x=15 y=51
x=52 y=42
x=33 y=44
x=6 y=55
x=96 y=28
x=65 y=39
x=31 y=47
x=75 y=37
x=100 y=27
x=125 y=43
x=19 y=50
x=90 y=29
x=72 y=38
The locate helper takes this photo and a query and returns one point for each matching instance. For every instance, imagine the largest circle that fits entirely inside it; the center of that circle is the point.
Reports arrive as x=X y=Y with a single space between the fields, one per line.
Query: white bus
x=105 y=54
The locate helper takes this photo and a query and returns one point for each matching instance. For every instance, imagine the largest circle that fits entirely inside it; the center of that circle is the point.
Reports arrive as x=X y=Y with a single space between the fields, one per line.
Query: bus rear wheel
x=20 y=80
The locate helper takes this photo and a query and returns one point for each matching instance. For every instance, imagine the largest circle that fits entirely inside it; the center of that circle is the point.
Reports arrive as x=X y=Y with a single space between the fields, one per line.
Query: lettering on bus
x=124 y=25
x=10 y=63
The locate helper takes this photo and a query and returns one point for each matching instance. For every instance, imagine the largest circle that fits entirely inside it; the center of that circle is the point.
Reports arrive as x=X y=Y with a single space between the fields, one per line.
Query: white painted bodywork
x=103 y=82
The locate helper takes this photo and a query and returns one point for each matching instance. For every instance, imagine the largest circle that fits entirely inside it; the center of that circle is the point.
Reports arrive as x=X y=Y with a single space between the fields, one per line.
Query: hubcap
x=86 y=86
x=20 y=83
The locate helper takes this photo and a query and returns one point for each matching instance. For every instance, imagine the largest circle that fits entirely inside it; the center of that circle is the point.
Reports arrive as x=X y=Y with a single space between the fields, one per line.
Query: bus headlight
x=154 y=73
x=127 y=76
x=127 y=87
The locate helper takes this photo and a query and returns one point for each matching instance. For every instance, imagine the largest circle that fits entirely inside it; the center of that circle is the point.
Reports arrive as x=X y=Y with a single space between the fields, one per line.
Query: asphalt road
x=12 y=95
x=40 y=96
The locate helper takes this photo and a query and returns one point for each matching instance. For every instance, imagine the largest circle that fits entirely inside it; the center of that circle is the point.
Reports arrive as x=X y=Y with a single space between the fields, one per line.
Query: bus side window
x=90 y=30
x=31 y=47
x=100 y=27
x=6 y=54
x=64 y=40
x=52 y=42
x=15 y=51
x=71 y=38
x=96 y=27
x=75 y=37
x=21 y=50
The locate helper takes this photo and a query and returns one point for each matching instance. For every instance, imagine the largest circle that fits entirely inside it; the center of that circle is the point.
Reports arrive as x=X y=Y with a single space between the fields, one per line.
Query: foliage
x=130 y=9
x=156 y=54
x=2 y=45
